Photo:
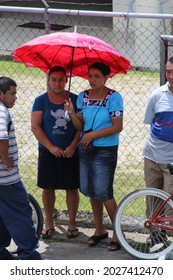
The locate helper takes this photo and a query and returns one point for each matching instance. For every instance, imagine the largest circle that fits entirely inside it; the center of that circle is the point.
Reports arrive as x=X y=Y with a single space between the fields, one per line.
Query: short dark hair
x=170 y=59
x=57 y=69
x=6 y=83
x=103 y=68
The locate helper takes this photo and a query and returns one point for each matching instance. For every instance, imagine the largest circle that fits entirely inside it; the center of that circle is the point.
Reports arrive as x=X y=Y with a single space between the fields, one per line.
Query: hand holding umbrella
x=67 y=117
x=77 y=122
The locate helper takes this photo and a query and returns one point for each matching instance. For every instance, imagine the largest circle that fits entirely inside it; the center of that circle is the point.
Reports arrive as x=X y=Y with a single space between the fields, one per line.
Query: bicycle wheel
x=37 y=217
x=130 y=228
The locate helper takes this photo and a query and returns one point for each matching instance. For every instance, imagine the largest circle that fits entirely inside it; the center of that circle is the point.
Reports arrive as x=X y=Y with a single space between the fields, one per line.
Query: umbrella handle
x=67 y=117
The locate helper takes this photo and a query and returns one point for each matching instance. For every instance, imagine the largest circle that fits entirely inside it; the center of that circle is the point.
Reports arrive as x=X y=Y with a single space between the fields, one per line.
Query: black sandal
x=114 y=246
x=96 y=239
x=47 y=233
x=72 y=233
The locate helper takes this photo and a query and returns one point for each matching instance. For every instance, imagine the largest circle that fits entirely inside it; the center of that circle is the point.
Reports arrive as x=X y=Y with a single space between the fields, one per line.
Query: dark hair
x=103 y=68
x=170 y=60
x=6 y=83
x=57 y=69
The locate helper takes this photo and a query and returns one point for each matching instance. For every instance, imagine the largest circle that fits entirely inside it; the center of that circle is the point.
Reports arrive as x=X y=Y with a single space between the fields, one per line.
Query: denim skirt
x=97 y=169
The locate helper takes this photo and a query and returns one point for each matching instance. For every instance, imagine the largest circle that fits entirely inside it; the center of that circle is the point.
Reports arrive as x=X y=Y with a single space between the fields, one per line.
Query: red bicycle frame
x=156 y=220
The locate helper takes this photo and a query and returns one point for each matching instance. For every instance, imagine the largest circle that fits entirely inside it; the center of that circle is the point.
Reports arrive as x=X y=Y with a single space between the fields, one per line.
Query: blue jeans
x=97 y=169
x=16 y=222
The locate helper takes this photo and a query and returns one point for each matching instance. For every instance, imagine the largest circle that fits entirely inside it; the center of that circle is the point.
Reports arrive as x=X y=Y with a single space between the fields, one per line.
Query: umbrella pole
x=67 y=117
x=71 y=68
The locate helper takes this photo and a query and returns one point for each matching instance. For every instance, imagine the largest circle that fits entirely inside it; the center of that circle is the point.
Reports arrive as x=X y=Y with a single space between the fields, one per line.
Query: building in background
x=126 y=34
x=138 y=29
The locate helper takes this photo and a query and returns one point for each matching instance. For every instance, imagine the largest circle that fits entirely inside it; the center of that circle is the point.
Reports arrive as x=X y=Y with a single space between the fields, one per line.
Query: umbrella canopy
x=73 y=51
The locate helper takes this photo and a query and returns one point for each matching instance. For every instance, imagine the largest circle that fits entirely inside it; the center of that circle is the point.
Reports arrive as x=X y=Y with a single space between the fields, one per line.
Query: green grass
x=154 y=74
x=12 y=67
x=17 y=68
x=124 y=183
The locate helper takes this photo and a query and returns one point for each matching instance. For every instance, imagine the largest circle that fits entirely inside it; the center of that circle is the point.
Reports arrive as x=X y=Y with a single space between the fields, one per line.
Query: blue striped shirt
x=8 y=177
x=158 y=146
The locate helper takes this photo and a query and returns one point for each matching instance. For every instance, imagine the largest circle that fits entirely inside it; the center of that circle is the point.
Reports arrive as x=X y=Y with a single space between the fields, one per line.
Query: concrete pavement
x=59 y=247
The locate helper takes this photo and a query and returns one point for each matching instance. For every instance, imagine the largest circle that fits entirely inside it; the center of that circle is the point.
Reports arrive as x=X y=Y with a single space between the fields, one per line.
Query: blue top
x=58 y=130
x=98 y=114
x=159 y=114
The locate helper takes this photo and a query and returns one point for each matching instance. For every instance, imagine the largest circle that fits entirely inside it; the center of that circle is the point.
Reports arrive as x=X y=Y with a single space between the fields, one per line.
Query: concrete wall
x=141 y=31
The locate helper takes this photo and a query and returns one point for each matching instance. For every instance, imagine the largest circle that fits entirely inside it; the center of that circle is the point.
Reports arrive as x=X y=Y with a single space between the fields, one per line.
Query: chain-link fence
x=138 y=39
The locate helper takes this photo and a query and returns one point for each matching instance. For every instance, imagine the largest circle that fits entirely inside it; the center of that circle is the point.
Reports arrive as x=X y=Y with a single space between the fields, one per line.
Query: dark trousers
x=16 y=222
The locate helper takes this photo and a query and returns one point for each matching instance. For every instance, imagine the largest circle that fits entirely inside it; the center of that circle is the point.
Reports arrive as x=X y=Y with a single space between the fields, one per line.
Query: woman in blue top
x=100 y=116
x=58 y=158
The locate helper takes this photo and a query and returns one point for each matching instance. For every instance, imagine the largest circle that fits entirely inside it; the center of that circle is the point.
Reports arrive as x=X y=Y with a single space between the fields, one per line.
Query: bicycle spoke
x=134 y=228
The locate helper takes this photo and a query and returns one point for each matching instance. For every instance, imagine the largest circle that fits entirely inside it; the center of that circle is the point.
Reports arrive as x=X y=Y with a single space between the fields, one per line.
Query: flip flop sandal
x=114 y=246
x=72 y=233
x=47 y=233
x=93 y=240
x=55 y=213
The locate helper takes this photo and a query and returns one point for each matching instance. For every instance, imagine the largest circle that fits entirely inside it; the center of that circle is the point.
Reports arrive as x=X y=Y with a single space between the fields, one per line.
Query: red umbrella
x=73 y=51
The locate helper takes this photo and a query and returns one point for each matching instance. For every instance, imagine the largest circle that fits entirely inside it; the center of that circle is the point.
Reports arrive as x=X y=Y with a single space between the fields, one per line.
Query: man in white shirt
x=15 y=211
x=158 y=148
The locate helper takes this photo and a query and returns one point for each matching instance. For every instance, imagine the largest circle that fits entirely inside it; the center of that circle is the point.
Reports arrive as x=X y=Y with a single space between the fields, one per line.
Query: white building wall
x=151 y=56
x=136 y=36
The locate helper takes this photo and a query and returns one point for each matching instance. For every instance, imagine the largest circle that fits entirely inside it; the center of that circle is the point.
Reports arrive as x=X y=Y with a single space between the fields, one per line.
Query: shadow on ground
x=59 y=247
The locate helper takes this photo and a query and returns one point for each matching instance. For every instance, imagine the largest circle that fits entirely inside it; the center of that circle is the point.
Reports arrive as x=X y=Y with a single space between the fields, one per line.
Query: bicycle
x=141 y=233
x=37 y=217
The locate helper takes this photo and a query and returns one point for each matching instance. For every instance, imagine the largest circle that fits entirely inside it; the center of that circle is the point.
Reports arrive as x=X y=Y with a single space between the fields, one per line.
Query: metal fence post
x=166 y=42
x=163 y=58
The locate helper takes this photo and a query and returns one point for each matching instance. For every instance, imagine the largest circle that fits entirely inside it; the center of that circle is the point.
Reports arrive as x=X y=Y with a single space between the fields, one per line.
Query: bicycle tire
x=37 y=217
x=129 y=226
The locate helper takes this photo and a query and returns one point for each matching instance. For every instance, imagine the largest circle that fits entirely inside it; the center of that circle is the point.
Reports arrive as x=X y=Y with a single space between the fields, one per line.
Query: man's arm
x=150 y=110
x=8 y=163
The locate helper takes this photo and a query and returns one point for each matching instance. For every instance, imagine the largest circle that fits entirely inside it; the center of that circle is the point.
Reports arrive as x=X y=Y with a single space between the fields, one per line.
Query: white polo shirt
x=8 y=177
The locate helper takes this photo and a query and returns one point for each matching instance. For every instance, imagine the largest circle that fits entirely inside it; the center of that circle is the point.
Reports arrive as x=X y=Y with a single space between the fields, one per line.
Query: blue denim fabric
x=97 y=169
x=16 y=222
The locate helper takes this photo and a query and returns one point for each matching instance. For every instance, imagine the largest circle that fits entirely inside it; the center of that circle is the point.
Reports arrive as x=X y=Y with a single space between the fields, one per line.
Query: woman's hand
x=87 y=138
x=56 y=151
x=69 y=151
x=68 y=106
x=76 y=119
